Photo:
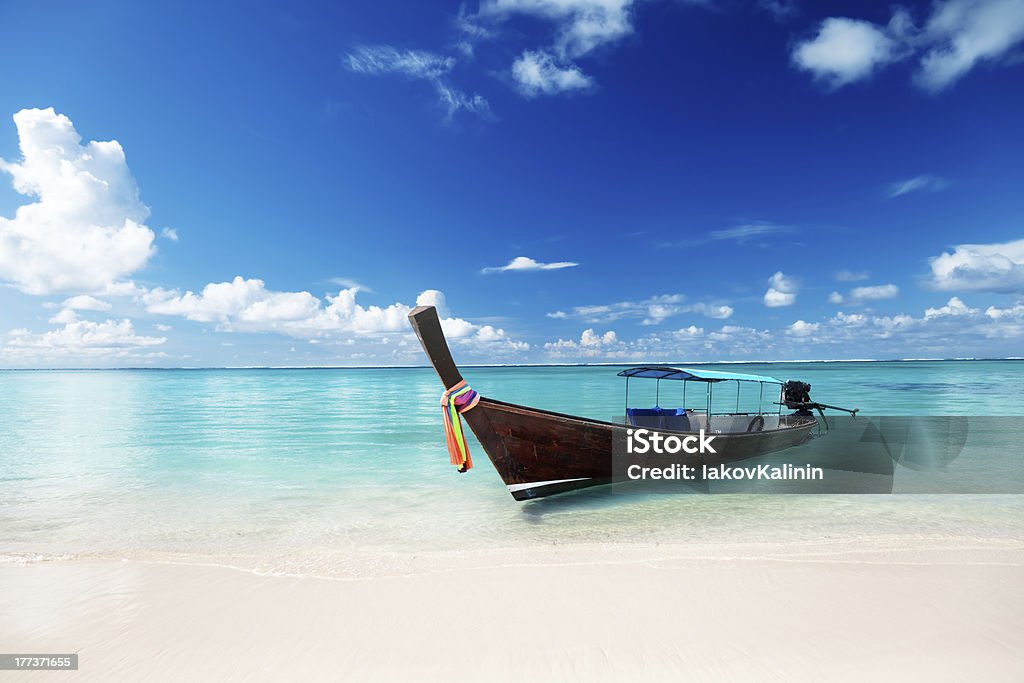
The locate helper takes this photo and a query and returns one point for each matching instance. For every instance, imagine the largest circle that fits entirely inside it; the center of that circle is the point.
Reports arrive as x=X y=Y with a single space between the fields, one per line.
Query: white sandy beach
x=932 y=609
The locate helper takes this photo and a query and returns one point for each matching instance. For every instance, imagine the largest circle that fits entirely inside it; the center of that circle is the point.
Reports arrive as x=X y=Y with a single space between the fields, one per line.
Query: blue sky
x=573 y=180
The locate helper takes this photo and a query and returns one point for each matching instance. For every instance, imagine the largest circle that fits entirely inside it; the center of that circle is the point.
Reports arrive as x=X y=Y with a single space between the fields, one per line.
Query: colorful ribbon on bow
x=454 y=402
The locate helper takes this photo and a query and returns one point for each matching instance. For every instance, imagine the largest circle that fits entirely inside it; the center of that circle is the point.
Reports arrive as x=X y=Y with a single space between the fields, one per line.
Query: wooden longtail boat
x=538 y=453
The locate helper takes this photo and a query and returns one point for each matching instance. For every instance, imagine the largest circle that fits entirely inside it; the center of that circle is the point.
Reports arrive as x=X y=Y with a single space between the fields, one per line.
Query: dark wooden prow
x=428 y=328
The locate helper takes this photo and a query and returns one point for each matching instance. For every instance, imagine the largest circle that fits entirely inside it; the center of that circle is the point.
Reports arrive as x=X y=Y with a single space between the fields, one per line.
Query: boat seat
x=674 y=419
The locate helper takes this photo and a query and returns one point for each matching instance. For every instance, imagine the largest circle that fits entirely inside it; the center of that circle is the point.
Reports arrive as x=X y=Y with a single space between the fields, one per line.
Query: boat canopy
x=690 y=374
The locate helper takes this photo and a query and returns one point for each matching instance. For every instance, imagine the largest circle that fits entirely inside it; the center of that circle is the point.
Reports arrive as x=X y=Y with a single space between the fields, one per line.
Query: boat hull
x=539 y=453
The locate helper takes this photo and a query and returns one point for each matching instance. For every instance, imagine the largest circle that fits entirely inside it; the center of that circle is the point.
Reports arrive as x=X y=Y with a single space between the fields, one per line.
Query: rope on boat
x=455 y=401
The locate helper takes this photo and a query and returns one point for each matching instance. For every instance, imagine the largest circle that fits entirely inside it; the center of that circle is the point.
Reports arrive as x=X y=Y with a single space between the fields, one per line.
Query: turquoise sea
x=330 y=470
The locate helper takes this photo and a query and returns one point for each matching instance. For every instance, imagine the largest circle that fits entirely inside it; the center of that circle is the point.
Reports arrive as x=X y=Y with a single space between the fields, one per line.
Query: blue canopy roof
x=661 y=372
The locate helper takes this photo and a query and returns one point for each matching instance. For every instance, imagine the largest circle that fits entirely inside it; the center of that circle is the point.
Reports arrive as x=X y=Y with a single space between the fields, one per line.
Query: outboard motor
x=796 y=395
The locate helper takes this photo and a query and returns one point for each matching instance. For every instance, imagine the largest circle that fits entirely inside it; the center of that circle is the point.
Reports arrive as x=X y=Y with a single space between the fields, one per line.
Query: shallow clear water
x=309 y=469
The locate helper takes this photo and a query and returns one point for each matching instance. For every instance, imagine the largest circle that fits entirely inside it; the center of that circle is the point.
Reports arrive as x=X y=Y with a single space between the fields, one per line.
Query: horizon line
x=508 y=365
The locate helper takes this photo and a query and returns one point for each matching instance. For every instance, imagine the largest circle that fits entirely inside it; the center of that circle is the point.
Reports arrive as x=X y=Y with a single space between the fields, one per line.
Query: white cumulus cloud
x=84 y=302
x=591 y=344
x=957 y=36
x=953 y=329
x=85 y=229
x=435 y=298
x=782 y=291
x=247 y=305
x=536 y=73
x=874 y=292
x=802 y=328
x=591 y=338
x=78 y=339
x=63 y=317
x=995 y=267
x=953 y=307
x=845 y=50
x=996 y=313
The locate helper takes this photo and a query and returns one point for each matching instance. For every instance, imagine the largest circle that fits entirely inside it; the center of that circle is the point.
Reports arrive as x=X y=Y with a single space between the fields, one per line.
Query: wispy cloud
x=580 y=28
x=385 y=59
x=525 y=263
x=349 y=283
x=717 y=311
x=781 y=10
x=453 y=100
x=577 y=28
x=743 y=233
x=375 y=60
x=581 y=25
x=860 y=295
x=651 y=311
x=962 y=33
x=921 y=183
x=846 y=275
x=471 y=31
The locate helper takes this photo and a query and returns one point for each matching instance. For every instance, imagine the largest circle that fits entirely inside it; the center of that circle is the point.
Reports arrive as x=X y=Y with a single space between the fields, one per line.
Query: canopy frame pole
x=684 y=394
x=737 y=397
x=627 y=398
x=760 y=395
x=657 y=393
